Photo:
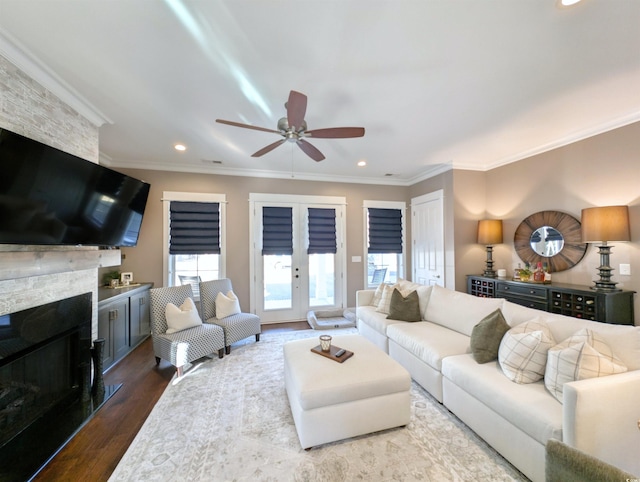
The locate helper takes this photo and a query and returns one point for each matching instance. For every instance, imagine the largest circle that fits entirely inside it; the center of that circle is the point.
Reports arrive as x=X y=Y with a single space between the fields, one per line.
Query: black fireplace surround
x=45 y=382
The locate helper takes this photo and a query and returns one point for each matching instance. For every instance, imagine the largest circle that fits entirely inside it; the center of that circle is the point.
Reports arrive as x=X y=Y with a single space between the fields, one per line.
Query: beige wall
x=600 y=171
x=145 y=260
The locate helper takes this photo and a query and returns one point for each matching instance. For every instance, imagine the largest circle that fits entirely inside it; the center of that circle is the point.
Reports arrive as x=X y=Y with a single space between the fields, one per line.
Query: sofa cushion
x=375 y=320
x=486 y=337
x=582 y=355
x=428 y=342
x=404 y=308
x=625 y=339
x=458 y=311
x=523 y=351
x=528 y=407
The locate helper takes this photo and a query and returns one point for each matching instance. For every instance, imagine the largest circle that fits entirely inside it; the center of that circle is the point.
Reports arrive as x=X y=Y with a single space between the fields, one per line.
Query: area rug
x=229 y=420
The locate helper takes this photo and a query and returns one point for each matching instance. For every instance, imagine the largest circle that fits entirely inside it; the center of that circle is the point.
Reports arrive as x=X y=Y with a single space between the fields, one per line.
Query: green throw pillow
x=487 y=335
x=404 y=308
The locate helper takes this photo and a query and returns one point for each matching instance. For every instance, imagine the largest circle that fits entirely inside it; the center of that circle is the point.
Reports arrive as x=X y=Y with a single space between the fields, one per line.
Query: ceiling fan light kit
x=293 y=128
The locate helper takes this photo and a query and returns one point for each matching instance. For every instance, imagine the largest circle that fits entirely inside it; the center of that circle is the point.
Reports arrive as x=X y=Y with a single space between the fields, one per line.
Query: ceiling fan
x=294 y=128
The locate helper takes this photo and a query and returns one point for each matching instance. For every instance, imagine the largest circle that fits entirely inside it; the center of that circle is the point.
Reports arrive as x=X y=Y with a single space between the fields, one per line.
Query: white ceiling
x=470 y=84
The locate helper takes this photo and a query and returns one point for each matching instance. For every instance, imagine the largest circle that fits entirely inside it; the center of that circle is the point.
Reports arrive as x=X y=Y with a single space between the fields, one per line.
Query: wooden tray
x=331 y=354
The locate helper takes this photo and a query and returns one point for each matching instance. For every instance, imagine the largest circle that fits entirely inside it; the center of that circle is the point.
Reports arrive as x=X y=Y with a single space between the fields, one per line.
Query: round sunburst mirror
x=550 y=237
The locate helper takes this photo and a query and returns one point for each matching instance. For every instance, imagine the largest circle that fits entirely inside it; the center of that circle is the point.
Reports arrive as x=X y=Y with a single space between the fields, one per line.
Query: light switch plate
x=356 y=259
x=625 y=269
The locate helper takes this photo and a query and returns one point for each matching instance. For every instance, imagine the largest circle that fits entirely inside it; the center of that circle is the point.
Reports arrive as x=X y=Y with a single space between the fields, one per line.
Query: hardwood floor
x=95 y=451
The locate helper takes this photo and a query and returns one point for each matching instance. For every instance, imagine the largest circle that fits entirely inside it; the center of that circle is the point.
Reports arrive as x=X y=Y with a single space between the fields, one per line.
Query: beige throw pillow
x=182 y=317
x=523 y=351
x=378 y=294
x=583 y=355
x=385 y=300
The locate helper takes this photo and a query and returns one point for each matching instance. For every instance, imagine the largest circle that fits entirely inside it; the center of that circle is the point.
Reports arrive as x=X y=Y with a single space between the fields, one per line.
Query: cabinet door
x=120 y=329
x=104 y=331
x=140 y=319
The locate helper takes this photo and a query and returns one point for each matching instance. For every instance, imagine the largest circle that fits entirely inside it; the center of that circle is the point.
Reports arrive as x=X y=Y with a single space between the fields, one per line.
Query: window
x=194 y=233
x=384 y=241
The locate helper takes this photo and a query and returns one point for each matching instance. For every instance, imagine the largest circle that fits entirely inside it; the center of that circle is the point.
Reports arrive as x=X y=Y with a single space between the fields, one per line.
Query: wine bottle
x=538 y=274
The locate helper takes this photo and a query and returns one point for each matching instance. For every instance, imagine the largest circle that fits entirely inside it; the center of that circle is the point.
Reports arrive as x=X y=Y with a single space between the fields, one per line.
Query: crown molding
x=557 y=143
x=221 y=171
x=19 y=55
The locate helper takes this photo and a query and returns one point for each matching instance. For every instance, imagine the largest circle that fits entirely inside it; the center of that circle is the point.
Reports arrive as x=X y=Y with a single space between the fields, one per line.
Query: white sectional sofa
x=600 y=416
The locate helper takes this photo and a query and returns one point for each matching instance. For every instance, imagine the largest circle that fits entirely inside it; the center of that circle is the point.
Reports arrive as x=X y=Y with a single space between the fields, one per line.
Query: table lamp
x=601 y=225
x=489 y=233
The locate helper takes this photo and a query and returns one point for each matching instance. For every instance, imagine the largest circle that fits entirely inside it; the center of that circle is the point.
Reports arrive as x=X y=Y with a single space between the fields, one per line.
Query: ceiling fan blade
x=296 y=109
x=268 y=148
x=310 y=150
x=246 y=126
x=336 y=132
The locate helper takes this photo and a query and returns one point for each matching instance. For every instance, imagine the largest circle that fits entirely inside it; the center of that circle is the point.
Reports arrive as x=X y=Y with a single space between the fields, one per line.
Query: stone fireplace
x=48 y=321
x=32 y=276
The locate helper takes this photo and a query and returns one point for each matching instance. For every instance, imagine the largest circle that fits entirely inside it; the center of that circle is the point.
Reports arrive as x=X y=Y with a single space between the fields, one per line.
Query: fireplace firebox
x=45 y=382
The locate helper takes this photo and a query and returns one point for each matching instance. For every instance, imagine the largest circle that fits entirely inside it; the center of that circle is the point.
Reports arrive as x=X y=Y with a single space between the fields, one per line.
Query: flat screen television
x=50 y=197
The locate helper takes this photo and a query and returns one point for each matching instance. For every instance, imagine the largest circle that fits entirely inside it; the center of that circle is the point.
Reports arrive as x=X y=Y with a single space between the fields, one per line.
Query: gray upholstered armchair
x=183 y=346
x=236 y=327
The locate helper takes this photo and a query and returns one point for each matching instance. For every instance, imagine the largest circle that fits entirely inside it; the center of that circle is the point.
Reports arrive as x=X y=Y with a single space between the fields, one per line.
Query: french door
x=297 y=258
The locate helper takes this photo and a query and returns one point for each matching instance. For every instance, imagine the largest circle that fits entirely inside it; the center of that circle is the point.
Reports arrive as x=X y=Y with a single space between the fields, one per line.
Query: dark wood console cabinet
x=124 y=320
x=571 y=300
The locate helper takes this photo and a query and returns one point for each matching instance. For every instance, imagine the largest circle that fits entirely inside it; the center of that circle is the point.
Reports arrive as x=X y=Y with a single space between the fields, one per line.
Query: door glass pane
x=277 y=281
x=321 y=279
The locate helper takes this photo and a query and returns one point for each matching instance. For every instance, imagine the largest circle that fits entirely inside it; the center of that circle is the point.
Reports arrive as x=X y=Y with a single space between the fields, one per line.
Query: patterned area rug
x=229 y=419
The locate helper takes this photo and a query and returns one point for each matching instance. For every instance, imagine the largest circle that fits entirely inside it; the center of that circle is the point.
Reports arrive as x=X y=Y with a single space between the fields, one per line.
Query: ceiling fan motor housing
x=289 y=132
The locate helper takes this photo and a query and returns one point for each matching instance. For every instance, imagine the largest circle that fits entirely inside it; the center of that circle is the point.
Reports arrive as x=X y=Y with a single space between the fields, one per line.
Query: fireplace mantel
x=26 y=261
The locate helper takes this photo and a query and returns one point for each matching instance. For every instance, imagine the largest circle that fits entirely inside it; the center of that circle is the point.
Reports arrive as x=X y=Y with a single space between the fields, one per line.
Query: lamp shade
x=490 y=231
x=609 y=223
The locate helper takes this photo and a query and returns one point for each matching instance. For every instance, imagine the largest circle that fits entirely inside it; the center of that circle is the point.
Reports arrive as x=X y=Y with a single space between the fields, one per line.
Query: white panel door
x=427 y=233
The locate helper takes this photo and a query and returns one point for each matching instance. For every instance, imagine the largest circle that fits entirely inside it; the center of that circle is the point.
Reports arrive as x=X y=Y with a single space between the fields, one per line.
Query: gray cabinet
x=113 y=327
x=571 y=300
x=123 y=320
x=140 y=318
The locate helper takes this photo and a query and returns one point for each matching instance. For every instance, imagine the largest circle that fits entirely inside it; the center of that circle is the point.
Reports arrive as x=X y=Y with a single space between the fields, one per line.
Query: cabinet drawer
x=529 y=303
x=521 y=290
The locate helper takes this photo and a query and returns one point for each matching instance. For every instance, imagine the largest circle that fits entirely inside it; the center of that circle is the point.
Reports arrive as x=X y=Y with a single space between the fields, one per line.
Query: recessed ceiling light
x=362 y=163
x=180 y=147
x=567 y=3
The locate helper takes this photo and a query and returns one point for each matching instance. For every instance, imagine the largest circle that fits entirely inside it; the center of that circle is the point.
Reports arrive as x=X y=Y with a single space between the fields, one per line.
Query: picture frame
x=126 y=278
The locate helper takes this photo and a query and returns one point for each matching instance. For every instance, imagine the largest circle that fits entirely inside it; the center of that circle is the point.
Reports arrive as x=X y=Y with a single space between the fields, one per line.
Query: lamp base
x=489 y=272
x=605 y=283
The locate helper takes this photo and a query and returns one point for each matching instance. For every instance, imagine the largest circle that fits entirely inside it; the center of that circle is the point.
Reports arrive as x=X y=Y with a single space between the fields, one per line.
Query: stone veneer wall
x=29 y=109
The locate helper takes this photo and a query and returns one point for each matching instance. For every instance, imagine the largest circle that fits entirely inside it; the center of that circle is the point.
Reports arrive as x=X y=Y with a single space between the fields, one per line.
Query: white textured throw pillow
x=523 y=351
x=583 y=355
x=385 y=301
x=227 y=305
x=378 y=294
x=183 y=317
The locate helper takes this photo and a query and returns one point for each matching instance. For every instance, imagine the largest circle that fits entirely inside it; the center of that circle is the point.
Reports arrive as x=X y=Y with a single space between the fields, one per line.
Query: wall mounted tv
x=49 y=197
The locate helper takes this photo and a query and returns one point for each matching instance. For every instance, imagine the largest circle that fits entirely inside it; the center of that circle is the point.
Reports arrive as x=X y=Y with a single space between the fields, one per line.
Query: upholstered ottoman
x=332 y=401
